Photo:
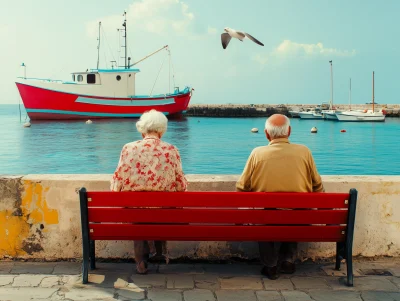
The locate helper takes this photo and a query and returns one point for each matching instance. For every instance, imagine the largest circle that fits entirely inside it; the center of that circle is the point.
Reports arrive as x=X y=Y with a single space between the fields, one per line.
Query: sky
x=55 y=38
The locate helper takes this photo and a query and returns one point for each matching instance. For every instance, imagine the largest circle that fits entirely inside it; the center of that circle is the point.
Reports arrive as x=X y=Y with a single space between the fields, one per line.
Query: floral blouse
x=149 y=165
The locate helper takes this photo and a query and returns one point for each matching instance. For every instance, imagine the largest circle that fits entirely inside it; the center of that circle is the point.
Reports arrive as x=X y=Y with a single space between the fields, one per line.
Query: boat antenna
x=331 y=102
x=98 y=47
x=373 y=91
x=126 y=45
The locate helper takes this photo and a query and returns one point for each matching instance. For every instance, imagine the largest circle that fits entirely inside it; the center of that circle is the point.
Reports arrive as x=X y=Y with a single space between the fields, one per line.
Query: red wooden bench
x=223 y=216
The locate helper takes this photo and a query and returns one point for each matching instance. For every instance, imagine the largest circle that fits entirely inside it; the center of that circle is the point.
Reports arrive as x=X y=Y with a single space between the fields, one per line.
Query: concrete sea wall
x=263 y=110
x=40 y=218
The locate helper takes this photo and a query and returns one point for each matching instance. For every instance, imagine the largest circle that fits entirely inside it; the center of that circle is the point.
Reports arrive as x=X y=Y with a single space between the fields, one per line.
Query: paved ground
x=197 y=282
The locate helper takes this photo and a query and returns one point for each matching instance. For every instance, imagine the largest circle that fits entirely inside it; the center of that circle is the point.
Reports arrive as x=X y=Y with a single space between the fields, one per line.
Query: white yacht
x=366 y=115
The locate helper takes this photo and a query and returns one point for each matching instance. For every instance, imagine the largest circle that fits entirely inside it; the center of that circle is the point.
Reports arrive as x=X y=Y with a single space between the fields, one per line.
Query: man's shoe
x=270 y=272
x=288 y=267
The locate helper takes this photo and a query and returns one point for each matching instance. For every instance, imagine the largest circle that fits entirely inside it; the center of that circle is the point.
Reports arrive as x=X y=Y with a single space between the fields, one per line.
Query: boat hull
x=360 y=117
x=306 y=115
x=46 y=104
x=330 y=116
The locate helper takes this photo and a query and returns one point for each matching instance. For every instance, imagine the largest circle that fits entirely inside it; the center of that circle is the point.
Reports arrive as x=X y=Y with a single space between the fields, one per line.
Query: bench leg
x=350 y=235
x=339 y=250
x=85 y=264
x=85 y=234
x=349 y=263
x=92 y=255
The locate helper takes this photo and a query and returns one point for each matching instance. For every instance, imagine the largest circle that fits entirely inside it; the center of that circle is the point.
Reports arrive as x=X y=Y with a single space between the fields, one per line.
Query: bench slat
x=217 y=199
x=216 y=233
x=219 y=216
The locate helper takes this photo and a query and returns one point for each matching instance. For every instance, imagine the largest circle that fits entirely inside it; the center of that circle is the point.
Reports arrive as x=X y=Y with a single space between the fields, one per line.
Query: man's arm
x=244 y=182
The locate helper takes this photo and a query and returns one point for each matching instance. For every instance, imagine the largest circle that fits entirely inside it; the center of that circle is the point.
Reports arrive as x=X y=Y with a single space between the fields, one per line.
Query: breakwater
x=262 y=110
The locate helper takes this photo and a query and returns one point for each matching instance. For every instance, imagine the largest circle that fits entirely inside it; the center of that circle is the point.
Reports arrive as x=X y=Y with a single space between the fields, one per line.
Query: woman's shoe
x=141 y=268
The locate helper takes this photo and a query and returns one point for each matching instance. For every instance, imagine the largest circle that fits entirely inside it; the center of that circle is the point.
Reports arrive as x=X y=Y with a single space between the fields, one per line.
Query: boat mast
x=98 y=48
x=331 y=102
x=373 y=91
x=350 y=96
x=126 y=45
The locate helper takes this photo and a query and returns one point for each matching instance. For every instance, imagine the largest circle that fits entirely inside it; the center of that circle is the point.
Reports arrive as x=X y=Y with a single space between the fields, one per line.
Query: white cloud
x=154 y=16
x=3 y=30
x=262 y=59
x=212 y=30
x=289 y=48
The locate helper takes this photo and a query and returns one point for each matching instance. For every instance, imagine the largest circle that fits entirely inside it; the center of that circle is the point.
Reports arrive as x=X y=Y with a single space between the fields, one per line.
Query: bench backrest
x=218 y=216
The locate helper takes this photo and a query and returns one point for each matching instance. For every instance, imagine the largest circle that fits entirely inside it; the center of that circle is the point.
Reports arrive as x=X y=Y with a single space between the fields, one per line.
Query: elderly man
x=280 y=166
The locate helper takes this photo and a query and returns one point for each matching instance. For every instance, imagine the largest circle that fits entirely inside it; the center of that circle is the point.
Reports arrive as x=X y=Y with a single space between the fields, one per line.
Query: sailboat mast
x=98 y=48
x=126 y=45
x=331 y=102
x=373 y=91
x=350 y=96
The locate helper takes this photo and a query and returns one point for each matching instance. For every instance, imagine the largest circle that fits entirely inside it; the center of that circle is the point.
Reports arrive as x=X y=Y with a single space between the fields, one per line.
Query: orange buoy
x=343 y=131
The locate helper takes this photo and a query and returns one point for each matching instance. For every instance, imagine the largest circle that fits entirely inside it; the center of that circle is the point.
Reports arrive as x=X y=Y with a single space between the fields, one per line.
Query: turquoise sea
x=207 y=145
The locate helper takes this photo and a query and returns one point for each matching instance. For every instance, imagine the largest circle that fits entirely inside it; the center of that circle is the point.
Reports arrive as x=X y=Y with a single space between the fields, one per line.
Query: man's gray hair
x=275 y=131
x=152 y=122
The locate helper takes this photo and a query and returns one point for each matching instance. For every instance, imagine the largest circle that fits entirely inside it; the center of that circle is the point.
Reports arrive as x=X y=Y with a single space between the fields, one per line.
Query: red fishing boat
x=97 y=93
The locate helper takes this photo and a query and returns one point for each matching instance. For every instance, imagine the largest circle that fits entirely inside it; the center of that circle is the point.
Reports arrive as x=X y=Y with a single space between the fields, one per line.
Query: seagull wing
x=225 y=39
x=253 y=39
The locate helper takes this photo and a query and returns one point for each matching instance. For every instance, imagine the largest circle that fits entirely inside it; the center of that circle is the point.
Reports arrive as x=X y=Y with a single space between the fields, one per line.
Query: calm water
x=207 y=145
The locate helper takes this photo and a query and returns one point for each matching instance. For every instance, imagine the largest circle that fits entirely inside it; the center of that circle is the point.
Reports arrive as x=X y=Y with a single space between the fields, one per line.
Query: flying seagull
x=240 y=35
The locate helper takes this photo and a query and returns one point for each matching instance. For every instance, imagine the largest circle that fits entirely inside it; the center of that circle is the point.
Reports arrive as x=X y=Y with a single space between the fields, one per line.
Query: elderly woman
x=149 y=164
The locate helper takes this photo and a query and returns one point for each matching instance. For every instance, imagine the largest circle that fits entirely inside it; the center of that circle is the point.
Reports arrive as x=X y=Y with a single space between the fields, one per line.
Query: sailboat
x=366 y=115
x=99 y=93
x=331 y=113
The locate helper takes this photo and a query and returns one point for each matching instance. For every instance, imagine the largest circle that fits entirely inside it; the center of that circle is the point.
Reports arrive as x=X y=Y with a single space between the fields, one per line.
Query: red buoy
x=343 y=131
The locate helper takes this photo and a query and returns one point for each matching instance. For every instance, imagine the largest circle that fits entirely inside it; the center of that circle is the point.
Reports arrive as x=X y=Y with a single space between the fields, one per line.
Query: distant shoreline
x=265 y=110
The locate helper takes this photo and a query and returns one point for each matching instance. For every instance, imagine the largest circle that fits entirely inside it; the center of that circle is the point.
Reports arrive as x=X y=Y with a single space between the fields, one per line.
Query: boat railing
x=42 y=79
x=176 y=92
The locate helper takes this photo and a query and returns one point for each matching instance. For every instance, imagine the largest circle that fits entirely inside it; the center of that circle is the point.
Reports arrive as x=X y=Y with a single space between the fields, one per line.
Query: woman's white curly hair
x=152 y=122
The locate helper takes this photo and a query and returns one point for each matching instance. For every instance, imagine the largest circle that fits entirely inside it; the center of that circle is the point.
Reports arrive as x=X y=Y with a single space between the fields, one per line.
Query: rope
x=173 y=71
x=105 y=59
x=19 y=107
x=19 y=98
x=105 y=38
x=157 y=77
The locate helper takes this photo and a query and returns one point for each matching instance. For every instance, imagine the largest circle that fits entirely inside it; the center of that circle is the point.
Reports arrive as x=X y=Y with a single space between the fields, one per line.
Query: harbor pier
x=264 y=110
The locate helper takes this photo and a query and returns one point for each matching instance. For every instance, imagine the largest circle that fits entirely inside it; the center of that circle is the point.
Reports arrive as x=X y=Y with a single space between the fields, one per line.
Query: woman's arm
x=180 y=179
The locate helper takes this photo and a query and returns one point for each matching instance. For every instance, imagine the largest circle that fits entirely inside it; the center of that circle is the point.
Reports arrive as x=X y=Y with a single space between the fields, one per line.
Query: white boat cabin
x=120 y=81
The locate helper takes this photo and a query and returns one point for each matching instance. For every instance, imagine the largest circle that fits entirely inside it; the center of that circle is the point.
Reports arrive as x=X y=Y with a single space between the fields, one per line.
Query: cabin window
x=118 y=77
x=80 y=77
x=73 y=77
x=91 y=78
